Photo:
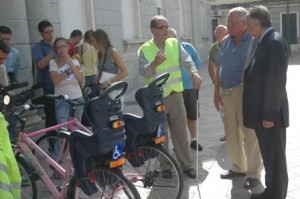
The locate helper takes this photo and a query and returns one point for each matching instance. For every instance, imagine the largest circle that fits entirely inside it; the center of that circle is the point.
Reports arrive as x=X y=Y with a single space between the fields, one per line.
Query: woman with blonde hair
x=88 y=57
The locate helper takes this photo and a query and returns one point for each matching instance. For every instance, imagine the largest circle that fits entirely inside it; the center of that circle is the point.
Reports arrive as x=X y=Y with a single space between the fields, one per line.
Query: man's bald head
x=172 y=33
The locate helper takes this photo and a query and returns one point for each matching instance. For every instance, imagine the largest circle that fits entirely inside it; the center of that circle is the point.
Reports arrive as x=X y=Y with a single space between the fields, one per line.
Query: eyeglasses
x=61 y=47
x=48 y=32
x=163 y=27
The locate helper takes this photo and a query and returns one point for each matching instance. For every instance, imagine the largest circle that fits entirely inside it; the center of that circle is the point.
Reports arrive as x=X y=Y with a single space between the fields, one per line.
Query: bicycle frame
x=26 y=145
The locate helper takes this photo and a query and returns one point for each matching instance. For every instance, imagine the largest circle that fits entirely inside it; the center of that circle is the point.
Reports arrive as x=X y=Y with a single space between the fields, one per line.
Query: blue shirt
x=39 y=51
x=231 y=60
x=12 y=62
x=189 y=48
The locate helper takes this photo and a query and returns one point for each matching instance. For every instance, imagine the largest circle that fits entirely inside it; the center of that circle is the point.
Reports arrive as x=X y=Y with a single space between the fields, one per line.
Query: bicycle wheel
x=111 y=184
x=159 y=177
x=28 y=184
x=55 y=147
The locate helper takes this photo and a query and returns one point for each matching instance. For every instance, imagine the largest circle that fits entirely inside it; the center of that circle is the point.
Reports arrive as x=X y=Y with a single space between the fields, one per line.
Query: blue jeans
x=62 y=115
x=63 y=109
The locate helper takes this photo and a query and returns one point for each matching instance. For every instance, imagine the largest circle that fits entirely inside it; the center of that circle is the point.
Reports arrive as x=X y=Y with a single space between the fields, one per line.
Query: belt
x=229 y=89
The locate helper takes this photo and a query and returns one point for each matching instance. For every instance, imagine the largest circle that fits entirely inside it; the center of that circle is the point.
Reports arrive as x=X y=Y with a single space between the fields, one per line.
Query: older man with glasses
x=241 y=142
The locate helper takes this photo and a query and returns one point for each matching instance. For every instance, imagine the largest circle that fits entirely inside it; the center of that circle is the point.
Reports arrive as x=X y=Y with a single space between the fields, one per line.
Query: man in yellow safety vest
x=10 y=179
x=160 y=55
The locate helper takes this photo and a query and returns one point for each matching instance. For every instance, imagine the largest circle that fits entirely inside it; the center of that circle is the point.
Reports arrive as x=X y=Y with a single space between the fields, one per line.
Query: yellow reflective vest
x=171 y=65
x=10 y=178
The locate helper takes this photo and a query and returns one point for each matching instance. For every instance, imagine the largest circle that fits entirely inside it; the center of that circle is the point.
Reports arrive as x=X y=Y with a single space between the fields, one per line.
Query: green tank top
x=89 y=59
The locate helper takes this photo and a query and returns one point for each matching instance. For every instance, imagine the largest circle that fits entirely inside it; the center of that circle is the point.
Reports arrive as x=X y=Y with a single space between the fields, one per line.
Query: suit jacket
x=265 y=96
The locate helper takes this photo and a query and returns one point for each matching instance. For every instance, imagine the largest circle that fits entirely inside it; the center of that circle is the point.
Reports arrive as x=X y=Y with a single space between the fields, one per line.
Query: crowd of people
x=247 y=65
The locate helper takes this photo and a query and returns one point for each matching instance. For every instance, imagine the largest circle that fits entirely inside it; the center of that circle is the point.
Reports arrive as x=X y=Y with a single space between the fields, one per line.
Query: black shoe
x=194 y=145
x=258 y=196
x=191 y=173
x=231 y=174
x=223 y=139
x=250 y=183
x=167 y=174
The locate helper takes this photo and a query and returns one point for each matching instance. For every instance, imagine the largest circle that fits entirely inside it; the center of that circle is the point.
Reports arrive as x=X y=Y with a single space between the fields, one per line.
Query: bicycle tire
x=160 y=176
x=108 y=183
x=28 y=184
x=46 y=143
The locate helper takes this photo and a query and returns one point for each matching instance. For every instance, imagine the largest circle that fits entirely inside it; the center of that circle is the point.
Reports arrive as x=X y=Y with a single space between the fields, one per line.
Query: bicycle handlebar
x=65 y=98
x=14 y=86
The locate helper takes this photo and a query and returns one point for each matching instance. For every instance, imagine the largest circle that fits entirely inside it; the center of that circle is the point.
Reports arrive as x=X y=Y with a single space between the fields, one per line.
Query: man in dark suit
x=265 y=102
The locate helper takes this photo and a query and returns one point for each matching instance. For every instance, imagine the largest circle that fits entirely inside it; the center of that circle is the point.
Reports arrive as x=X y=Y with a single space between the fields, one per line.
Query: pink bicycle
x=103 y=179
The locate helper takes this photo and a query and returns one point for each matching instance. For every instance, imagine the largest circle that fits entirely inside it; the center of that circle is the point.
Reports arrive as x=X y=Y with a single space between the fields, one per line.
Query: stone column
x=39 y=10
x=13 y=15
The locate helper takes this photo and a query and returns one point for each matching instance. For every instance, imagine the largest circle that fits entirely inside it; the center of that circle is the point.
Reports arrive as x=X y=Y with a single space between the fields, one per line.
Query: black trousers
x=272 y=143
x=49 y=109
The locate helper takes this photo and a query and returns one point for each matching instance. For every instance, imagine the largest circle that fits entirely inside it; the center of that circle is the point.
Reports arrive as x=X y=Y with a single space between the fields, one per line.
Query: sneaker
x=191 y=173
x=231 y=174
x=194 y=145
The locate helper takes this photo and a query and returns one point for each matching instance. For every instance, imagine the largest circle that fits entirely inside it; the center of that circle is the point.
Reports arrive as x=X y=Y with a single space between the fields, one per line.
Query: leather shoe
x=231 y=174
x=258 y=196
x=250 y=183
x=191 y=173
x=194 y=145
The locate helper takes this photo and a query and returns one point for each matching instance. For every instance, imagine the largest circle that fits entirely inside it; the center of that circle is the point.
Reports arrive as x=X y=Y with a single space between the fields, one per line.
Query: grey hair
x=240 y=11
x=223 y=27
x=260 y=13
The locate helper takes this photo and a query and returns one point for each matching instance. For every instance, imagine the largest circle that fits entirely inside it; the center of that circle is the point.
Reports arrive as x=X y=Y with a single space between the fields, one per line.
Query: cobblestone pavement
x=213 y=159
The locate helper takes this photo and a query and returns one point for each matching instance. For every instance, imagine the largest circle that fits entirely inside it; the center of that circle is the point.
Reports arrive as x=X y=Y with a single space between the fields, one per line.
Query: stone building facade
x=126 y=22
x=278 y=11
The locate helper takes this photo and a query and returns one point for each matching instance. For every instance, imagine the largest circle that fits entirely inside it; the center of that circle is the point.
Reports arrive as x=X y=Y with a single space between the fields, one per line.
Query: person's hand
x=197 y=81
x=104 y=85
x=268 y=124
x=68 y=59
x=51 y=53
x=159 y=59
x=217 y=101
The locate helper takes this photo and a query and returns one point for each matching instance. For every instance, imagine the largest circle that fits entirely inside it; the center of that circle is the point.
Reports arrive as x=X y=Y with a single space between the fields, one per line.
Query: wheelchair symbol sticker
x=160 y=130
x=117 y=151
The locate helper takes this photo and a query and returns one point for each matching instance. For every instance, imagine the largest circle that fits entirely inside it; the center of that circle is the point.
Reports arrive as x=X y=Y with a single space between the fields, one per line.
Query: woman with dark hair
x=66 y=75
x=109 y=60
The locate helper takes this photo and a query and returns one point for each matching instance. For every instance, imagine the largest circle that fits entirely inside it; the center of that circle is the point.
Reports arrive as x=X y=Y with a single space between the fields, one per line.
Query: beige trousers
x=177 y=123
x=241 y=142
